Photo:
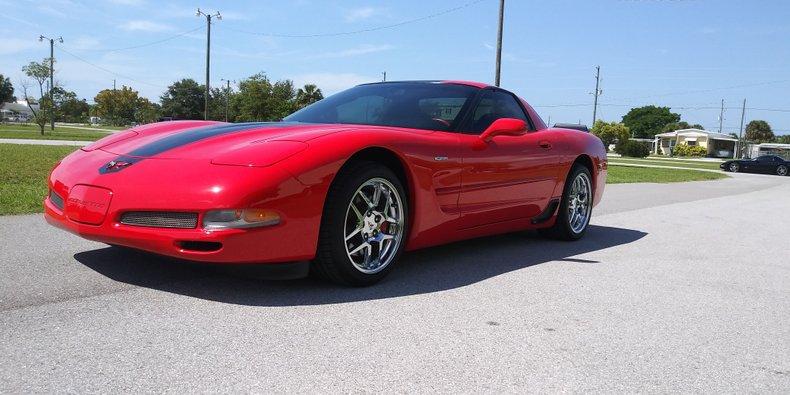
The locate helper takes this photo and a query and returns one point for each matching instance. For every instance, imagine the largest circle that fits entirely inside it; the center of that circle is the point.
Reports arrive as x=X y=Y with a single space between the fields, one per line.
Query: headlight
x=241 y=218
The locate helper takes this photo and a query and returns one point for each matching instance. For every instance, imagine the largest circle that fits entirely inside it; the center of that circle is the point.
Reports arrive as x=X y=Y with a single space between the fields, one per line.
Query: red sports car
x=340 y=188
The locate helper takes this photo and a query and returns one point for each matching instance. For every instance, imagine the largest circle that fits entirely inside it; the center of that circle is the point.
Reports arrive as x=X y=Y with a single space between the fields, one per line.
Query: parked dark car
x=769 y=164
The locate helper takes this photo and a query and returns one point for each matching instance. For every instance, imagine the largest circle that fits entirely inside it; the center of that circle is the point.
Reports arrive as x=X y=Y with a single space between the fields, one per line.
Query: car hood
x=207 y=140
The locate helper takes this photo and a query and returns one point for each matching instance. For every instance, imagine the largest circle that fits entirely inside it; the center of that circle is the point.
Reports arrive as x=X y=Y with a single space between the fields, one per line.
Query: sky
x=684 y=54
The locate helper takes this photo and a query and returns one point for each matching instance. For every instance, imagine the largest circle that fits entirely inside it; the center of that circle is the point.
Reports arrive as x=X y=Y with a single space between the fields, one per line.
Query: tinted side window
x=492 y=106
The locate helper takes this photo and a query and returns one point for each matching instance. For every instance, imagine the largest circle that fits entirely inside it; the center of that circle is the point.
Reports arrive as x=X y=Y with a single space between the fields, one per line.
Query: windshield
x=418 y=105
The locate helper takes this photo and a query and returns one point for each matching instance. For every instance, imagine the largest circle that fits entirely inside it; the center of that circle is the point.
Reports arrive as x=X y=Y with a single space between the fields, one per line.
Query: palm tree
x=307 y=95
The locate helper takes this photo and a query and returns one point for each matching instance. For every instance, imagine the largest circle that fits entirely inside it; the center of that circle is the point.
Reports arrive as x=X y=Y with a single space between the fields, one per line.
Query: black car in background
x=769 y=164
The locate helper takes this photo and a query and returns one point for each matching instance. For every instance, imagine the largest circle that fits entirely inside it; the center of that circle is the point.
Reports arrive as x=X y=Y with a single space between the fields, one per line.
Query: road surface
x=676 y=288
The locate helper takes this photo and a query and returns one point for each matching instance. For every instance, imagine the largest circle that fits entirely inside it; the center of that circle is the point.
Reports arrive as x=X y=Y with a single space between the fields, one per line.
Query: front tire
x=364 y=225
x=733 y=167
x=575 y=209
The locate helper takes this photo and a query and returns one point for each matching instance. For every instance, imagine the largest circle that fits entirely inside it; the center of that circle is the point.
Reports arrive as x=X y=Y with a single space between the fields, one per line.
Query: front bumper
x=257 y=245
x=169 y=185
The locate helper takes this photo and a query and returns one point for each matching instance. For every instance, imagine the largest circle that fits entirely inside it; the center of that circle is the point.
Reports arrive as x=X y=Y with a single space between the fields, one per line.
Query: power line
x=106 y=70
x=707 y=90
x=686 y=107
x=148 y=44
x=367 y=30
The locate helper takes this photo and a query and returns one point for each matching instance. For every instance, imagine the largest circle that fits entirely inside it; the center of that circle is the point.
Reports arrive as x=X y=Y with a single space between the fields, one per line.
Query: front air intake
x=160 y=219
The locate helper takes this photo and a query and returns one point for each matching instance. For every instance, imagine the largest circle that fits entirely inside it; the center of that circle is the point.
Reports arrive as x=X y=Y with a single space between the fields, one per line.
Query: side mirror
x=504 y=127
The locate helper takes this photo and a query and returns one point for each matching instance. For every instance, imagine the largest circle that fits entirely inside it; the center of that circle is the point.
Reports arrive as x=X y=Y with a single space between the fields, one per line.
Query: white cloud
x=128 y=2
x=51 y=11
x=234 y=16
x=20 y=20
x=147 y=26
x=359 y=14
x=331 y=82
x=84 y=42
x=359 y=50
x=12 y=45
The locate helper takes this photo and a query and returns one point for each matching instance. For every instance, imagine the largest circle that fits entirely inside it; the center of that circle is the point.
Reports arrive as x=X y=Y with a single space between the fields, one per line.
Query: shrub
x=689 y=150
x=634 y=149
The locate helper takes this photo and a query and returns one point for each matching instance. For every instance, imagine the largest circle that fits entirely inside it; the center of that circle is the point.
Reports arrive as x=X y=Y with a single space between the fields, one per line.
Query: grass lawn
x=669 y=162
x=13 y=131
x=23 y=175
x=24 y=170
x=628 y=174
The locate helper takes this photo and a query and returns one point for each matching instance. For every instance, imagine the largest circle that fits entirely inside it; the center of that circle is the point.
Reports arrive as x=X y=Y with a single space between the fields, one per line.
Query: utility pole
x=740 y=133
x=227 y=98
x=208 y=53
x=384 y=79
x=499 y=42
x=721 y=116
x=597 y=93
x=51 y=77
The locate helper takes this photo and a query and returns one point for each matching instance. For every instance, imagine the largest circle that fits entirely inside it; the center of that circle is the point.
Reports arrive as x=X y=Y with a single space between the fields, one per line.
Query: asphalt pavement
x=675 y=288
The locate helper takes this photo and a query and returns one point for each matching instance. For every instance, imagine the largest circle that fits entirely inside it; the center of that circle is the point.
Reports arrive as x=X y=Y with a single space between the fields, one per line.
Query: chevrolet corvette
x=770 y=164
x=339 y=188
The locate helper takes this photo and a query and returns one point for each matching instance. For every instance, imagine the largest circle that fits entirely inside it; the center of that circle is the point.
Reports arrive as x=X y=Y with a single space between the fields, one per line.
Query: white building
x=17 y=111
x=755 y=150
x=719 y=145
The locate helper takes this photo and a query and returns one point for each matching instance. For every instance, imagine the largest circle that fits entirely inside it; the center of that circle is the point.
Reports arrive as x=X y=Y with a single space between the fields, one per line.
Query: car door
x=509 y=177
x=764 y=164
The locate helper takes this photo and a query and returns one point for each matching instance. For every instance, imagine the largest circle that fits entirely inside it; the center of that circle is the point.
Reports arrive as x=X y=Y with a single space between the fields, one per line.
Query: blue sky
x=686 y=54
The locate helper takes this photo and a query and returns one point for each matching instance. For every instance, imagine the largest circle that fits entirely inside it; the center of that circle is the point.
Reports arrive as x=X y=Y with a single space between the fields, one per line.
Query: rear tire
x=363 y=231
x=575 y=209
x=781 y=170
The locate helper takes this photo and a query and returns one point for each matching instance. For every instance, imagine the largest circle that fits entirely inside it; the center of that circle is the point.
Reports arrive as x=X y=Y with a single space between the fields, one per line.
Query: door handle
x=545 y=144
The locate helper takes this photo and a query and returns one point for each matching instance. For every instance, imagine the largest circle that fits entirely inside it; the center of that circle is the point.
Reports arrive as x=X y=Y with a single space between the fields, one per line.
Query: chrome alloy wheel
x=781 y=170
x=734 y=167
x=579 y=203
x=373 y=225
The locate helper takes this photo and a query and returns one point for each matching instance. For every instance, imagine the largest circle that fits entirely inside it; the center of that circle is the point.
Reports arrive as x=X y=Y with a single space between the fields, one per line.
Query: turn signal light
x=240 y=218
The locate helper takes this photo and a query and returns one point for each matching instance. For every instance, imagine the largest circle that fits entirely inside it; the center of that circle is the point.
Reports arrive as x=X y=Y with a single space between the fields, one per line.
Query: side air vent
x=56 y=200
x=160 y=219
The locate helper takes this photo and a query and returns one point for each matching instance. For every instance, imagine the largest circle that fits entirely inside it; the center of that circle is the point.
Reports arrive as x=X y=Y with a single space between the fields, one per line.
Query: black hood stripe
x=181 y=139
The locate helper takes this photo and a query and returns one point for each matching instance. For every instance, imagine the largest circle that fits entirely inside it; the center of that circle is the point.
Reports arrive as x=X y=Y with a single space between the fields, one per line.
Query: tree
x=184 y=100
x=308 y=95
x=146 y=112
x=124 y=106
x=6 y=90
x=40 y=116
x=648 y=121
x=39 y=72
x=69 y=107
x=784 y=139
x=759 y=132
x=250 y=104
x=671 y=127
x=219 y=96
x=282 y=101
x=610 y=132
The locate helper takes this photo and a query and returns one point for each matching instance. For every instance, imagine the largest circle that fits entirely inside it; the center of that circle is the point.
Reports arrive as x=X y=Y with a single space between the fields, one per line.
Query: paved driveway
x=682 y=287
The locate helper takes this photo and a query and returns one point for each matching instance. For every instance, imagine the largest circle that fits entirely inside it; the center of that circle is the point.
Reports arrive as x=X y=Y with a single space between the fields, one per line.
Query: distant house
x=719 y=145
x=755 y=150
x=17 y=111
